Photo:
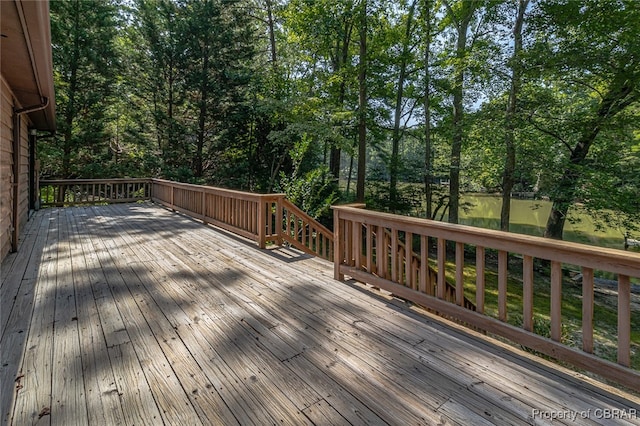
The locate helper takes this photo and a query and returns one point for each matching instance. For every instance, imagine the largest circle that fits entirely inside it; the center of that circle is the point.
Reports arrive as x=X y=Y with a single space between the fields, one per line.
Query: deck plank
x=33 y=395
x=138 y=315
x=17 y=299
x=103 y=401
x=158 y=376
x=532 y=399
x=67 y=388
x=344 y=332
x=226 y=320
x=137 y=400
x=525 y=410
x=294 y=386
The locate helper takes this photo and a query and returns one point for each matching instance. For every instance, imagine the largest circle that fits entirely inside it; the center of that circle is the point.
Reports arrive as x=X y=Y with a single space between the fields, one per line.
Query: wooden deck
x=132 y=314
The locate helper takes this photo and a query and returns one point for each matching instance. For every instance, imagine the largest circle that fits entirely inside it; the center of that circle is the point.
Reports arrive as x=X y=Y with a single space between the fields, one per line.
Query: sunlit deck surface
x=132 y=314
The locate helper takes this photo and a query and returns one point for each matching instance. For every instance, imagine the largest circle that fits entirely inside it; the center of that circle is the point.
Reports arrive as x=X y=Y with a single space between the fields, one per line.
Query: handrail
x=372 y=263
x=244 y=213
x=305 y=233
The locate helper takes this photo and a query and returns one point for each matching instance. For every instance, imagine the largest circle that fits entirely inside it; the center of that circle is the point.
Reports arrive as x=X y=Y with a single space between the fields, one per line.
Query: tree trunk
x=342 y=56
x=198 y=160
x=427 y=115
x=395 y=161
x=362 y=105
x=70 y=113
x=508 y=178
x=458 y=114
x=272 y=34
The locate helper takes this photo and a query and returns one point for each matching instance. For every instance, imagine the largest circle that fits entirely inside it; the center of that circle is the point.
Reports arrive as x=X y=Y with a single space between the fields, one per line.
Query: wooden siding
x=132 y=314
x=6 y=170
x=6 y=164
x=23 y=188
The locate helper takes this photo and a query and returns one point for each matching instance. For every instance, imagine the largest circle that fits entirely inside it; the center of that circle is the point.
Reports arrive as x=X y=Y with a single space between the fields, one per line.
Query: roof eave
x=34 y=34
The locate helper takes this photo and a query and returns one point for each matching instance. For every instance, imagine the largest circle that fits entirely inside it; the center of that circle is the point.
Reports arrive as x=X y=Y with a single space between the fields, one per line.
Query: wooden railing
x=431 y=275
x=260 y=217
x=393 y=252
x=93 y=191
x=250 y=215
x=305 y=233
x=360 y=254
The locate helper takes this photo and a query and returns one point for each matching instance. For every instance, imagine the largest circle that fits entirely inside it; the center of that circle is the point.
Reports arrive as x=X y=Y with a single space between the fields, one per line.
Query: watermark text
x=595 y=413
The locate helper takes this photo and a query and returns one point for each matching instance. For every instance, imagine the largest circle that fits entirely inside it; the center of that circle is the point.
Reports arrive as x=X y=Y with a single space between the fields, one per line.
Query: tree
x=219 y=51
x=161 y=77
x=428 y=166
x=85 y=70
x=460 y=15
x=404 y=59
x=508 y=179
x=362 y=103
x=591 y=49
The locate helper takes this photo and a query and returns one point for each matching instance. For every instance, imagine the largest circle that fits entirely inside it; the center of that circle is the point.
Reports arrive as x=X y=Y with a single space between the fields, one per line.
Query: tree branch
x=550 y=133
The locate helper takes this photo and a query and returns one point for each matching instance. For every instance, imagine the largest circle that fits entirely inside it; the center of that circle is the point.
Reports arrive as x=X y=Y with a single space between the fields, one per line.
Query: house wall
x=7 y=104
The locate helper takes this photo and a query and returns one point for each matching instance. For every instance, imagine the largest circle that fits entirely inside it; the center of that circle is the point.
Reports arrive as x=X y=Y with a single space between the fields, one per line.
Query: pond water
x=530 y=217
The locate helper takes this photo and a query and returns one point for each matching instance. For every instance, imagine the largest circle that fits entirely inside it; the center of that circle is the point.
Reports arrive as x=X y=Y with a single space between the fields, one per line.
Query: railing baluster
x=556 y=301
x=527 y=292
x=400 y=264
x=279 y=212
x=480 y=279
x=203 y=212
x=357 y=243
x=624 y=320
x=503 y=259
x=338 y=235
x=424 y=264
x=408 y=259
x=369 y=248
x=288 y=223
x=348 y=242
x=460 y=273
x=381 y=258
x=269 y=218
x=262 y=225
x=587 y=309
x=394 y=255
x=442 y=257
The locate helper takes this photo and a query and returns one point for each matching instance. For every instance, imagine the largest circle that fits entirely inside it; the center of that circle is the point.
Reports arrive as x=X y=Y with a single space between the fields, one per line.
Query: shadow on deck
x=132 y=314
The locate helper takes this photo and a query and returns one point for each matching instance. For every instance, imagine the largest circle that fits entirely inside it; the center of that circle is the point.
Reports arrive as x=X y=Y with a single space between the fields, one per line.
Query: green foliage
x=314 y=190
x=264 y=96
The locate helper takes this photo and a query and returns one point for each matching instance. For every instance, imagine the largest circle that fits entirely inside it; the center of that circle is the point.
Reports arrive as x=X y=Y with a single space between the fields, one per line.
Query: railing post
x=337 y=246
x=173 y=206
x=624 y=320
x=262 y=225
x=279 y=218
x=203 y=196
